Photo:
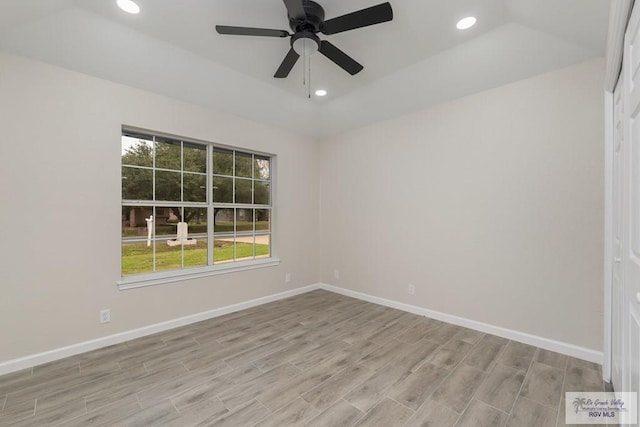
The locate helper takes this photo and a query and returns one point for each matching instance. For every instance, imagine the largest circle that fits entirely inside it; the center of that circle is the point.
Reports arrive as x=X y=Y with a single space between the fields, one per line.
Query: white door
x=616 y=283
x=631 y=207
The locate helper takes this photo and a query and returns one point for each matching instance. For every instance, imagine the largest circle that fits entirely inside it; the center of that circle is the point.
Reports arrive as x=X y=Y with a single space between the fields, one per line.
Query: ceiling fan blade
x=295 y=9
x=247 y=31
x=362 y=18
x=343 y=60
x=287 y=64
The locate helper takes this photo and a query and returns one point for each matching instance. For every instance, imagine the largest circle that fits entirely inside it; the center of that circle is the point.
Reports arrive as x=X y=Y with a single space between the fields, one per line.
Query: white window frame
x=168 y=276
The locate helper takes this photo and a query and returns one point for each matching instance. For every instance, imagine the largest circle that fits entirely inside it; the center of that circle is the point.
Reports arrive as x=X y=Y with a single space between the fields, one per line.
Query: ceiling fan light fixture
x=128 y=6
x=466 y=23
x=305 y=44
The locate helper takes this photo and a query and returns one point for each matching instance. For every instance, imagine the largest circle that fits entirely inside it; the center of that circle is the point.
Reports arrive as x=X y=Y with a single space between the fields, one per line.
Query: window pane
x=222 y=162
x=195 y=157
x=167 y=185
x=222 y=190
x=244 y=220
x=134 y=221
x=223 y=220
x=137 y=151
x=243 y=191
x=243 y=164
x=263 y=246
x=195 y=254
x=196 y=218
x=261 y=167
x=195 y=246
x=244 y=248
x=223 y=250
x=262 y=192
x=249 y=247
x=263 y=221
x=137 y=258
x=195 y=188
x=170 y=241
x=168 y=154
x=166 y=221
x=168 y=257
x=137 y=184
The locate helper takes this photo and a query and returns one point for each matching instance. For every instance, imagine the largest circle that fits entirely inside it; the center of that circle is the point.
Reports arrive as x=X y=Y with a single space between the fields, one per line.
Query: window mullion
x=210 y=209
x=233 y=200
x=153 y=237
x=182 y=217
x=253 y=209
x=155 y=215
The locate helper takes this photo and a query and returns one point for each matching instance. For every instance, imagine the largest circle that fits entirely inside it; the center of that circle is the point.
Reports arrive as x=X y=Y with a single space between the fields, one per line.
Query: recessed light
x=466 y=23
x=128 y=6
x=321 y=92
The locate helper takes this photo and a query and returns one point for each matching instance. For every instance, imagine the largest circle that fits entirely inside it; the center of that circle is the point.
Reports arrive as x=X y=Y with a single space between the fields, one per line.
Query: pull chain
x=306 y=68
x=309 y=87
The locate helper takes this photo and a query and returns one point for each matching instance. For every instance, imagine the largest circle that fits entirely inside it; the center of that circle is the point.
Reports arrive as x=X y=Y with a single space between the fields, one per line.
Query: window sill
x=144 y=280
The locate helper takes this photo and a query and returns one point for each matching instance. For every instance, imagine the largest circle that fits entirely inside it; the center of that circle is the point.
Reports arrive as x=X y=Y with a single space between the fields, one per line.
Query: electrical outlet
x=411 y=290
x=336 y=273
x=105 y=316
x=287 y=278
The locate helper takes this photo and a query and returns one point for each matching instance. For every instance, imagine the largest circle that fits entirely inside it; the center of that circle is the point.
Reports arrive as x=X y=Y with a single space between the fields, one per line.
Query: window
x=190 y=207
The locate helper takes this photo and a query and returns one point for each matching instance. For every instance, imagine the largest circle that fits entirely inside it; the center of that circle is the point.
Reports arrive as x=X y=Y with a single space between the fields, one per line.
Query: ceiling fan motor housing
x=313 y=20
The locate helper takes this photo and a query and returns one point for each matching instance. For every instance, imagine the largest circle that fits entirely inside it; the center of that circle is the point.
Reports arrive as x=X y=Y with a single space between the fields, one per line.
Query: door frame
x=608 y=237
x=618 y=20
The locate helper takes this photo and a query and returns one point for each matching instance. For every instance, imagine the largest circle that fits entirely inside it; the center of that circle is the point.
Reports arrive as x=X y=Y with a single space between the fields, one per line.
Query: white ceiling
x=415 y=61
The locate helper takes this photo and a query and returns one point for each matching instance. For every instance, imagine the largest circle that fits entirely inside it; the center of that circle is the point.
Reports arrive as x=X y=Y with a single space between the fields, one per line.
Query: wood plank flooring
x=317 y=359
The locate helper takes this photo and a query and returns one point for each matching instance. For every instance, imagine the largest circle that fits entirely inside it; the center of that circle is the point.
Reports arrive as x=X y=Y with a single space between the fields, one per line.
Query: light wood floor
x=318 y=359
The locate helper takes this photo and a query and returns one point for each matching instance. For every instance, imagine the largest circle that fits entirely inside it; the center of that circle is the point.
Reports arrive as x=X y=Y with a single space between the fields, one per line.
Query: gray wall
x=60 y=216
x=491 y=205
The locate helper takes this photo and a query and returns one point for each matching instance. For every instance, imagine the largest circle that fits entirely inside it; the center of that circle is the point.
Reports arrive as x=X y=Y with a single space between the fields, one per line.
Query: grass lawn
x=138 y=258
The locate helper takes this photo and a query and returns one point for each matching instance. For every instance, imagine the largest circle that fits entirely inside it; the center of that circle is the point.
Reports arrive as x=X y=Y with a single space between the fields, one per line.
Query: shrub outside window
x=192 y=205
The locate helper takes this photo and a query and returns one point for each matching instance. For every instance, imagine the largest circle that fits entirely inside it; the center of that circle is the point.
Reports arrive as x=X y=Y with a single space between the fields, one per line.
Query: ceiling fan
x=306 y=19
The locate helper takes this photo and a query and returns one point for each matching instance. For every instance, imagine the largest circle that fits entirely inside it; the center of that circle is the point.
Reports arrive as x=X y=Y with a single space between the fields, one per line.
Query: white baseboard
x=545 y=343
x=61 y=353
x=71 y=350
